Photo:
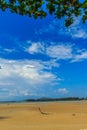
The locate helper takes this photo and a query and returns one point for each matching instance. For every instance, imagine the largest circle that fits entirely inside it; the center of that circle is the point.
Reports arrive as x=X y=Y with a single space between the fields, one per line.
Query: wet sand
x=44 y=116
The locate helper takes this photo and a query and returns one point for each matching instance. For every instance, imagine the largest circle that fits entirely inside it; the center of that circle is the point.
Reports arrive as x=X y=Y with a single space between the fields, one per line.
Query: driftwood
x=45 y=113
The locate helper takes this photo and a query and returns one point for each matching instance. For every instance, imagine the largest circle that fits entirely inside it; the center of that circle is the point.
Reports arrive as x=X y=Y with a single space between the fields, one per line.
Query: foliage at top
x=69 y=9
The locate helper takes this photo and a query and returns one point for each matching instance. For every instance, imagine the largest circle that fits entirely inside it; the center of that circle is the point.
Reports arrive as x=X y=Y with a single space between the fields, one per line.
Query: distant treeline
x=56 y=99
x=44 y=99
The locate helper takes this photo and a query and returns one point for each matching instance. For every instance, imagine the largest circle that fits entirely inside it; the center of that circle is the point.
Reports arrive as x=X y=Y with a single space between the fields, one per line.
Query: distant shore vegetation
x=45 y=99
x=56 y=99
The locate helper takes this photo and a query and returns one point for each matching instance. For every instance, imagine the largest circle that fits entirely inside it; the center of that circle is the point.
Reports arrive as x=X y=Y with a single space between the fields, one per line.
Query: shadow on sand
x=3 y=117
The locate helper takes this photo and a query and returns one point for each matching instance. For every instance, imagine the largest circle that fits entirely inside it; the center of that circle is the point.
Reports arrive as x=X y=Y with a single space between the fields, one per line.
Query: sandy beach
x=44 y=116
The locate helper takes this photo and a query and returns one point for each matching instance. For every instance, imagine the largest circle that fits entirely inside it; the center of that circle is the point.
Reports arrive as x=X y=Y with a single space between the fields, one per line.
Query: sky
x=42 y=58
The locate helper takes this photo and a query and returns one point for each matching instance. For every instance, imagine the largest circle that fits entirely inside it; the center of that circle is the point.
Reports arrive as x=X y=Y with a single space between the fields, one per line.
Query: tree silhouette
x=41 y=8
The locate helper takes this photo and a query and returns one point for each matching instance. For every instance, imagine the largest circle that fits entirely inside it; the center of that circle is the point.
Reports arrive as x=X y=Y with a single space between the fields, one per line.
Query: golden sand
x=44 y=116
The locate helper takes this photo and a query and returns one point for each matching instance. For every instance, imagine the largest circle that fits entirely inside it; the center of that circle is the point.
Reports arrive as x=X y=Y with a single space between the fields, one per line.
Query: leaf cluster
x=41 y=8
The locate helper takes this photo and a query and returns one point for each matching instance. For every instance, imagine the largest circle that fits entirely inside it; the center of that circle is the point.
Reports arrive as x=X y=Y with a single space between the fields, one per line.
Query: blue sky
x=41 y=58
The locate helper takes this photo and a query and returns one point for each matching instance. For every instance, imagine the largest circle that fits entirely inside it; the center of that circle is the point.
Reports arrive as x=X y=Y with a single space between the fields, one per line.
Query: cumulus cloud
x=26 y=69
x=26 y=77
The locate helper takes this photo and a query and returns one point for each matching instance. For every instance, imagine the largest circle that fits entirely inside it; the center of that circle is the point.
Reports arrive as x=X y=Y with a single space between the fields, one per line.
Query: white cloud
x=65 y=52
x=79 y=34
x=60 y=51
x=50 y=64
x=62 y=91
x=6 y=50
x=76 y=30
x=26 y=77
x=57 y=51
x=80 y=57
x=35 y=47
x=25 y=69
x=9 y=50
